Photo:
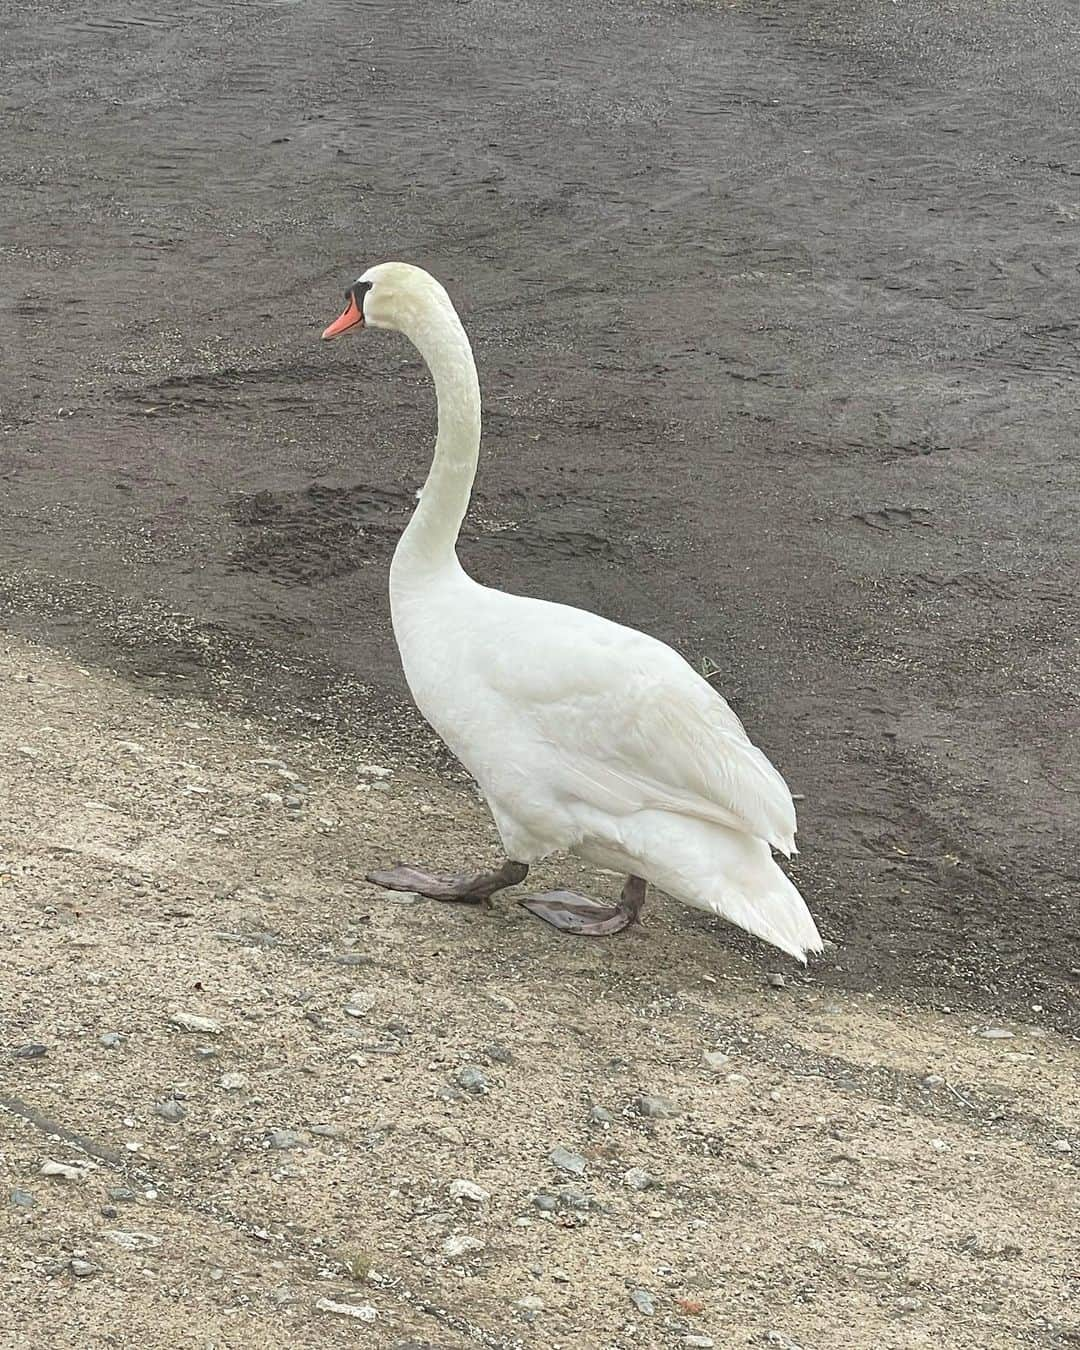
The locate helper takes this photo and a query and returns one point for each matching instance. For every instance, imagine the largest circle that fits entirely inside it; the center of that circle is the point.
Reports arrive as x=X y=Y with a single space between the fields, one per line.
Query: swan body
x=584 y=736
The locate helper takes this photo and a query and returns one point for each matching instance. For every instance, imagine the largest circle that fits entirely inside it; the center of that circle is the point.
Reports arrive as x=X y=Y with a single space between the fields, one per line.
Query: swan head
x=392 y=295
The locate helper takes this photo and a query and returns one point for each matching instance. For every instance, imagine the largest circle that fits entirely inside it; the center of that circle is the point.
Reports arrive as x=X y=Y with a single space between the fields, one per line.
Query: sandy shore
x=855 y=1172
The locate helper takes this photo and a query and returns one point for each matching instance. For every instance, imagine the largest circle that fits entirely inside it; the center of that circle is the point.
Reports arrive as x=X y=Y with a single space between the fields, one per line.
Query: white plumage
x=584 y=736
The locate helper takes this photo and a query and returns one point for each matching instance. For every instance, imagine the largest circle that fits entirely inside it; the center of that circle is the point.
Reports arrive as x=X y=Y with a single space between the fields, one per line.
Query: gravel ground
x=401 y=1123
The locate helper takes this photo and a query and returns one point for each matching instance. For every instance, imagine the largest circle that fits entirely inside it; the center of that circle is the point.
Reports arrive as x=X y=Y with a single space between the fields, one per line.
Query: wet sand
x=775 y=308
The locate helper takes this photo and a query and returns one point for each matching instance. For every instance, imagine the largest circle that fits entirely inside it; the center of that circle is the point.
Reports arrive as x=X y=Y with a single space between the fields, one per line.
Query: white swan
x=585 y=737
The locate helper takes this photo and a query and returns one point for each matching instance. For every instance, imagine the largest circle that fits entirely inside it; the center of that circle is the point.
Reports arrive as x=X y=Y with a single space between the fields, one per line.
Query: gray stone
x=362 y=1312
x=716 y=1060
x=460 y=1244
x=775 y=980
x=498 y=1054
x=699 y=1342
x=462 y=1189
x=643 y=1302
x=600 y=1115
x=82 y=1268
x=171 y=1110
x=656 y=1108
x=32 y=1051
x=109 y=1212
x=995 y=1034
x=1061 y=1146
x=109 y=1040
x=64 y=1171
x=284 y=1139
x=472 y=1079
x=546 y=1202
x=638 y=1179
x=570 y=1197
x=567 y=1161
x=121 y=1194
x=186 y=1021
x=361 y=1002
x=22 y=1199
x=132 y=1240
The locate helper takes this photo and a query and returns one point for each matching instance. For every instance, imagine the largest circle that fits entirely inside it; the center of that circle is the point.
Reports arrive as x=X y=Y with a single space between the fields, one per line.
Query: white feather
x=584 y=736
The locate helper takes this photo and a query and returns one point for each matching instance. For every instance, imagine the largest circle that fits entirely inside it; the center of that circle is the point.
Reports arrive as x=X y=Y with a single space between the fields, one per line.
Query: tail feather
x=730 y=873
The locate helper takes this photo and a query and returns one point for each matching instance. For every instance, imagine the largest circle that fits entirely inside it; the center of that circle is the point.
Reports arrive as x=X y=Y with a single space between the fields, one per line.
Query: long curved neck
x=429 y=539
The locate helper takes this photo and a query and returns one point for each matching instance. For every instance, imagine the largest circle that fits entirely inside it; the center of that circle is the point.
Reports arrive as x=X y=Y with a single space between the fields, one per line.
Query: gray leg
x=471 y=887
x=575 y=913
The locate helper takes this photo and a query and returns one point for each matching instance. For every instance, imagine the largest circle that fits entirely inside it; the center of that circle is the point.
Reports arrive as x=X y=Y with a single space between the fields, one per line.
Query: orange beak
x=352 y=317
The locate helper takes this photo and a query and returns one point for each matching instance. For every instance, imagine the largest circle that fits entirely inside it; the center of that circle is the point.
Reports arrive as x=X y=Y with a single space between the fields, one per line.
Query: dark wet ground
x=777 y=310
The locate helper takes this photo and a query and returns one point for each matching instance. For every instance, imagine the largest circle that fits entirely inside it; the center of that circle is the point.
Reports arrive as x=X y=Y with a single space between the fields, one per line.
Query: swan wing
x=635 y=727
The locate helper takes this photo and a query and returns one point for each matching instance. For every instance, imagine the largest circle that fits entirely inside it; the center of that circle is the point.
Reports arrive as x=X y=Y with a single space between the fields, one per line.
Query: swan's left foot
x=474 y=887
x=575 y=913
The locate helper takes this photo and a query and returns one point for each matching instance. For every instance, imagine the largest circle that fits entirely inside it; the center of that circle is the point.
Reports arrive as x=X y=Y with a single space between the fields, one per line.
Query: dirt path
x=857 y=1173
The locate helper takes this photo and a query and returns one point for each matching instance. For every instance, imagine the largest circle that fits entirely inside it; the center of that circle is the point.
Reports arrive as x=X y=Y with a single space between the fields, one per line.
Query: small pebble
x=362 y=1312
x=328 y=1131
x=567 y=1161
x=171 y=1110
x=109 y=1040
x=461 y=1189
x=121 y=1194
x=699 y=1342
x=933 y=1080
x=775 y=980
x=193 y=1022
x=450 y=1134
x=643 y=1302
x=32 y=1051
x=473 y=1080
x=995 y=1034
x=109 y=1212
x=458 y=1244
x=531 y=1303
x=82 y=1268
x=65 y=1171
x=1062 y=1146
x=132 y=1241
x=638 y=1179
x=361 y=1002
x=233 y=1082
x=498 y=1054
x=716 y=1059
x=656 y=1108
x=780 y=1341
x=908 y=1305
x=570 y=1197
x=284 y=1139
x=546 y=1202
x=600 y=1115
x=22 y=1199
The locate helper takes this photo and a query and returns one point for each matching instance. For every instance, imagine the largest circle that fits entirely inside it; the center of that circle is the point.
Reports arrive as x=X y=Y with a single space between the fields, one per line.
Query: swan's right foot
x=469 y=887
x=575 y=913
